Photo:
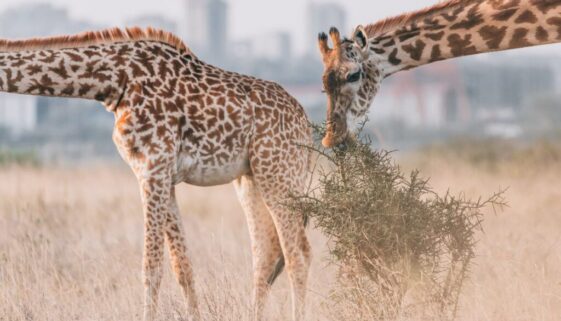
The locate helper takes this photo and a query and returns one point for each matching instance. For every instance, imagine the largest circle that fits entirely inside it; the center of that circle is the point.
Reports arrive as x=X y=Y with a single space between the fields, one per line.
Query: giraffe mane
x=90 y=38
x=392 y=23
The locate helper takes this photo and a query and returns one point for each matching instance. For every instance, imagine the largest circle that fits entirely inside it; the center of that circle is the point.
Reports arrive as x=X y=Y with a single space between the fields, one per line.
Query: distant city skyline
x=268 y=40
x=248 y=18
x=206 y=28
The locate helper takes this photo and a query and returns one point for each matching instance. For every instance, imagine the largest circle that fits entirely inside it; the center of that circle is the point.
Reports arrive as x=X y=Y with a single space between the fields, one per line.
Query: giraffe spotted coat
x=178 y=119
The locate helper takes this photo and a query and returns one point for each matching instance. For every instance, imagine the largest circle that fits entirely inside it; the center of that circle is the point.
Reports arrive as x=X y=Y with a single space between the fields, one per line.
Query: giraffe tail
x=279 y=267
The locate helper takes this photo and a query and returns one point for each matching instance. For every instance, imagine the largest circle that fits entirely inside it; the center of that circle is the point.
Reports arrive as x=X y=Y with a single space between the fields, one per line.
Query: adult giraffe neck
x=460 y=28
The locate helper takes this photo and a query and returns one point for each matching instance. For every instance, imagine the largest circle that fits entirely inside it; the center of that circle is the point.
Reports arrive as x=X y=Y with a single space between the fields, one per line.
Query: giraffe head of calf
x=350 y=80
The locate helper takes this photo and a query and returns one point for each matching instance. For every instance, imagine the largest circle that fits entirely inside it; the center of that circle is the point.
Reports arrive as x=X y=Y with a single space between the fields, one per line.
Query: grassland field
x=71 y=243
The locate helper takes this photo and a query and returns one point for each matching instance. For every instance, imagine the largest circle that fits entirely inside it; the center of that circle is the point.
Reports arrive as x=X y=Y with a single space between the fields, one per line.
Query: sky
x=247 y=17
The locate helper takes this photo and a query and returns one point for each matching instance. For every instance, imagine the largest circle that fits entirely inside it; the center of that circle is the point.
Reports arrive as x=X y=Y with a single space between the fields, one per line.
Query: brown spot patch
x=493 y=36
x=33 y=69
x=74 y=56
x=60 y=70
x=42 y=86
x=474 y=18
x=408 y=34
x=519 y=38
x=393 y=58
x=68 y=90
x=556 y=22
x=436 y=54
x=437 y=36
x=415 y=51
x=526 y=17
x=541 y=34
x=505 y=15
x=85 y=89
x=545 y=5
x=461 y=46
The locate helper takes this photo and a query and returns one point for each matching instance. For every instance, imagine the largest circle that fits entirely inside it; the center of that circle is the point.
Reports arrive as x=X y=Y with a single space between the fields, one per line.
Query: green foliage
x=11 y=157
x=392 y=236
x=498 y=155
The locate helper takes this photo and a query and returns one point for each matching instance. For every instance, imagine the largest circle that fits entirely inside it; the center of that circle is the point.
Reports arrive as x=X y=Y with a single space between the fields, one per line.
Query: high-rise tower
x=207 y=28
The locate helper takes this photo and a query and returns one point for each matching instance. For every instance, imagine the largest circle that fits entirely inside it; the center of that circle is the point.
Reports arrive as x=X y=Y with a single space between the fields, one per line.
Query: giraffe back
x=204 y=120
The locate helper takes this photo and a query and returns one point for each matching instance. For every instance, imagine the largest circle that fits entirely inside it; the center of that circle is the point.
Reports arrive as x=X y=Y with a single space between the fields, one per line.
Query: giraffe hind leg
x=276 y=184
x=181 y=265
x=296 y=251
x=281 y=263
x=265 y=244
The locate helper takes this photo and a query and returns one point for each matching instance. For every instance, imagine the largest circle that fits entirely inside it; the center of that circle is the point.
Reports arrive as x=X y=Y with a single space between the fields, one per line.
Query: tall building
x=321 y=17
x=207 y=28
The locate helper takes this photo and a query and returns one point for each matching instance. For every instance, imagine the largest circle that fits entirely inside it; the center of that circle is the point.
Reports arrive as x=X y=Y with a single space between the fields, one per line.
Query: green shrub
x=11 y=157
x=497 y=155
x=400 y=247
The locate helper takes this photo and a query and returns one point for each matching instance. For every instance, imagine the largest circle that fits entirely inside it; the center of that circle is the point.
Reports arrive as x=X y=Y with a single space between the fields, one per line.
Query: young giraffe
x=355 y=68
x=178 y=119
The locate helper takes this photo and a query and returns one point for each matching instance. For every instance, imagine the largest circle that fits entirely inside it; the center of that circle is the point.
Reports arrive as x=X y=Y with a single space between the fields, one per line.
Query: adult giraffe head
x=350 y=81
x=355 y=67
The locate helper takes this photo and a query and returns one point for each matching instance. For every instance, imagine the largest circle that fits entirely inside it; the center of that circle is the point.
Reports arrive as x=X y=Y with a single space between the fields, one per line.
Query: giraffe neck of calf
x=98 y=72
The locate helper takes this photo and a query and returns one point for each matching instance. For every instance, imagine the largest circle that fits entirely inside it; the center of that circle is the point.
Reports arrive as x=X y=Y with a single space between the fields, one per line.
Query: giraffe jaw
x=329 y=141
x=332 y=139
x=351 y=127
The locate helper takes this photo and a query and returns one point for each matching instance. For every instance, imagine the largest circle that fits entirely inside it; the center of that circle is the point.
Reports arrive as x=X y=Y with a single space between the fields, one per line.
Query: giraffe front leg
x=175 y=236
x=155 y=193
x=265 y=244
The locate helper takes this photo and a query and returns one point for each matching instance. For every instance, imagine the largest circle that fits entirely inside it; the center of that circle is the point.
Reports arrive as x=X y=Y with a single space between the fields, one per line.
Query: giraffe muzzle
x=336 y=132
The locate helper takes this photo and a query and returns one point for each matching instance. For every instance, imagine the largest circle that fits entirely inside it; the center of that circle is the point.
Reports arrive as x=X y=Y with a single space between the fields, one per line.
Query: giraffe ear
x=360 y=38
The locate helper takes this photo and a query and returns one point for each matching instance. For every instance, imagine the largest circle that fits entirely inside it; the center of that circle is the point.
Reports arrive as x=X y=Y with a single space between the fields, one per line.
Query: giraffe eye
x=353 y=77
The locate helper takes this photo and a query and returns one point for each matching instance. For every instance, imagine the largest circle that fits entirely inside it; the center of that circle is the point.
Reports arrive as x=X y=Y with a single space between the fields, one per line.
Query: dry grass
x=71 y=241
x=71 y=249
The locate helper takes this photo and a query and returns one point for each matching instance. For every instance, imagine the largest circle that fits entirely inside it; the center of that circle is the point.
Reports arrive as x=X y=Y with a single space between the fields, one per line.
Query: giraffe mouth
x=336 y=133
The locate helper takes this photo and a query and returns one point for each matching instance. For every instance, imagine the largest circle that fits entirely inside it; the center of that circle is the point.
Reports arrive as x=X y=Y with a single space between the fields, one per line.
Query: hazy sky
x=247 y=17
